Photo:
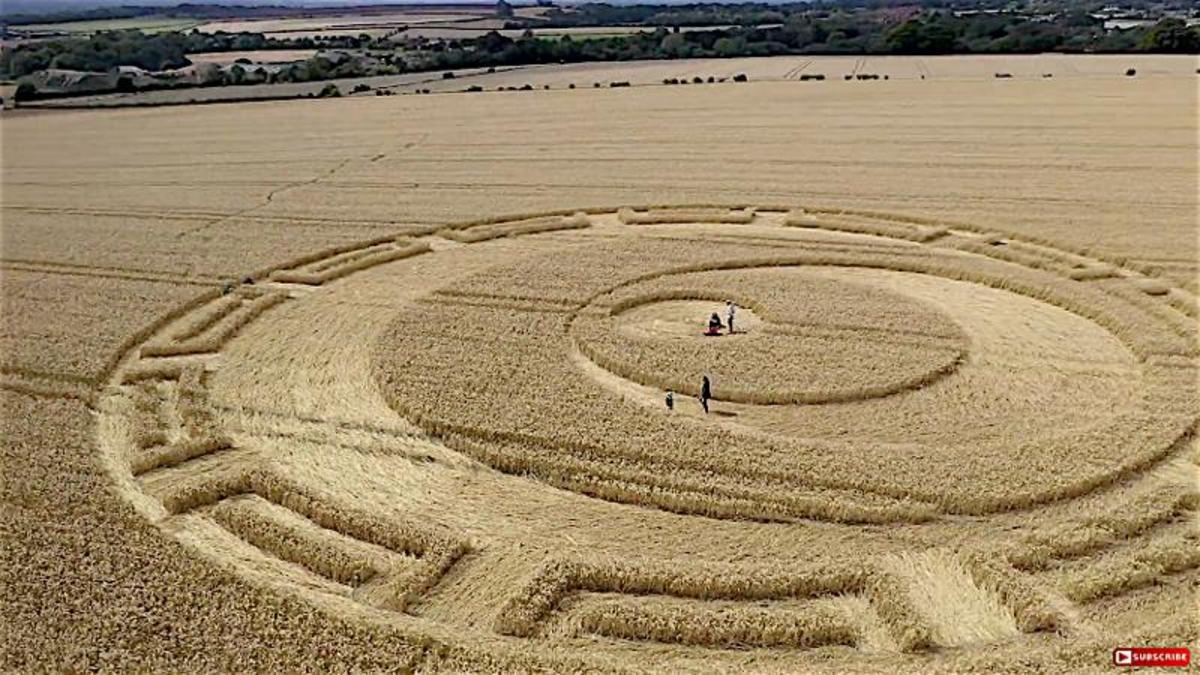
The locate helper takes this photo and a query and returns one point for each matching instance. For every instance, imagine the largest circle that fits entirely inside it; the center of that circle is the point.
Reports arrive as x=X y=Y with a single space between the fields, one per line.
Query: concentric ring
x=409 y=431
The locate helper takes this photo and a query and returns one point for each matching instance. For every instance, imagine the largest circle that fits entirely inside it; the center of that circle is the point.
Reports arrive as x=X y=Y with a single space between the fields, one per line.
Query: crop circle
x=467 y=431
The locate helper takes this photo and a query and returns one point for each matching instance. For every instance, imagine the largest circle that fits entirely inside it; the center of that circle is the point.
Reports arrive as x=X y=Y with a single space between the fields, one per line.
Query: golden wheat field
x=954 y=431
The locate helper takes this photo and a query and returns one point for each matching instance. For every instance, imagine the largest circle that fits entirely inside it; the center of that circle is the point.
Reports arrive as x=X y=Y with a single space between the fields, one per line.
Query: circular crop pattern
x=524 y=405
x=802 y=339
x=922 y=436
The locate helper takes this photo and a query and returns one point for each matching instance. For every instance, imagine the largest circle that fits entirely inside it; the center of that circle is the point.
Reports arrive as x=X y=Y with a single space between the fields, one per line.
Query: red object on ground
x=1152 y=656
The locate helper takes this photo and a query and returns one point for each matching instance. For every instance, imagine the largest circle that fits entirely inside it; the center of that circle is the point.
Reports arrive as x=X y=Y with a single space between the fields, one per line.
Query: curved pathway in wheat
x=929 y=442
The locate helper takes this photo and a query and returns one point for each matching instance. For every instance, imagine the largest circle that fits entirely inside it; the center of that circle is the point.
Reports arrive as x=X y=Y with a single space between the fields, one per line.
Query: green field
x=148 y=24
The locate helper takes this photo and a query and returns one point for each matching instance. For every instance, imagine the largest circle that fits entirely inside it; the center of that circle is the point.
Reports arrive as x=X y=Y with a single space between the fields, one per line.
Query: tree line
x=865 y=31
x=106 y=50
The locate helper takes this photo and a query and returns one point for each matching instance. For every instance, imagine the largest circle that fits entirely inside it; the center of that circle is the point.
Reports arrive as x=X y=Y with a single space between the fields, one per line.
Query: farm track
x=48 y=267
x=270 y=197
x=291 y=220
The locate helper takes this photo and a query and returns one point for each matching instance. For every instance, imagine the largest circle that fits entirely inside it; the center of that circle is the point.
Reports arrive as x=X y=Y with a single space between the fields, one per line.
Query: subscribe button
x=1151 y=656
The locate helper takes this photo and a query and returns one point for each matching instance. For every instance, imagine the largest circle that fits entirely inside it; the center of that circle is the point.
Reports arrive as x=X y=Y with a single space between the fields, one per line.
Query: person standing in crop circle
x=670 y=400
x=730 y=310
x=705 y=393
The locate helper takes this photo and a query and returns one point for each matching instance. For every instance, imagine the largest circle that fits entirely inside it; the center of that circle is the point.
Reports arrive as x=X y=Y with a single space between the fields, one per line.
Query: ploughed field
x=953 y=432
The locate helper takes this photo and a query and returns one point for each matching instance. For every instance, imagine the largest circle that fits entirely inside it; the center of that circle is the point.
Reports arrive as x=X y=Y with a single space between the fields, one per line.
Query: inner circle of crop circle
x=798 y=338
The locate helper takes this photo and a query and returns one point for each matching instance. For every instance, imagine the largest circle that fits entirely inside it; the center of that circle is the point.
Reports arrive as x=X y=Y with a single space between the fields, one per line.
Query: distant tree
x=25 y=91
x=504 y=10
x=1172 y=36
x=493 y=42
x=674 y=44
x=25 y=61
x=726 y=47
x=917 y=36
